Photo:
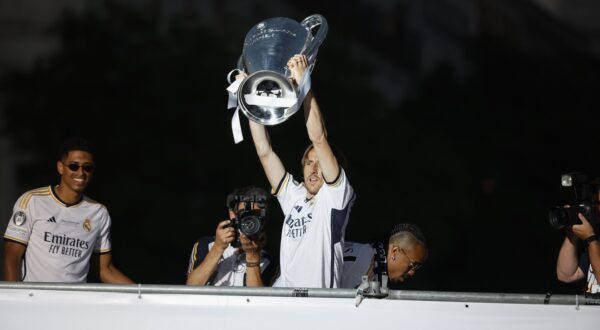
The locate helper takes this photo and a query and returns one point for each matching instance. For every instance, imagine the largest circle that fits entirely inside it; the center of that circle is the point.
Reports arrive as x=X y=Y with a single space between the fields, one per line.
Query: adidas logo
x=298 y=208
x=51 y=220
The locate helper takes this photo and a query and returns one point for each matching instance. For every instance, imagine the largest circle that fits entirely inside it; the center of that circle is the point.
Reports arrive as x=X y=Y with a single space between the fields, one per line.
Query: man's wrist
x=591 y=239
x=219 y=248
x=252 y=264
x=252 y=257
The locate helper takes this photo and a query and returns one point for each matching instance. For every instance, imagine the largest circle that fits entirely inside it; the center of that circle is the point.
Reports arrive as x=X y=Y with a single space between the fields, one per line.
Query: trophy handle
x=240 y=64
x=240 y=69
x=311 y=22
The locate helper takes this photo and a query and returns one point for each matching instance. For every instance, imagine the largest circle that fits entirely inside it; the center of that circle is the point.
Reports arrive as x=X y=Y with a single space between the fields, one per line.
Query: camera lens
x=558 y=217
x=250 y=225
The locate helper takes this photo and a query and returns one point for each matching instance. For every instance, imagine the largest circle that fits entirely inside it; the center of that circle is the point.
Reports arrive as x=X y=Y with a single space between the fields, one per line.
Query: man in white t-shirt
x=55 y=232
x=399 y=258
x=215 y=261
x=316 y=210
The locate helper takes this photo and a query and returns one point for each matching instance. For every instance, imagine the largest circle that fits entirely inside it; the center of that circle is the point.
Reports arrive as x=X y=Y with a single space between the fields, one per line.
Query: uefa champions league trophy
x=266 y=95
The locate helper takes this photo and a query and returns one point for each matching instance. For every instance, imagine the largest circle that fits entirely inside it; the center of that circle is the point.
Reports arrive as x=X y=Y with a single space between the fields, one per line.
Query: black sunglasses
x=413 y=265
x=74 y=167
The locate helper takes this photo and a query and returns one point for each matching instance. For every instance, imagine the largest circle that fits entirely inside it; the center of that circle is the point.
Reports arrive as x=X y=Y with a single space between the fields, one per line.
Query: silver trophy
x=266 y=95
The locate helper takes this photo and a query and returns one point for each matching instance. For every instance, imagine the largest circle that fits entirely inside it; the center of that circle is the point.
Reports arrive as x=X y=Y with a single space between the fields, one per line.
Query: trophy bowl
x=266 y=95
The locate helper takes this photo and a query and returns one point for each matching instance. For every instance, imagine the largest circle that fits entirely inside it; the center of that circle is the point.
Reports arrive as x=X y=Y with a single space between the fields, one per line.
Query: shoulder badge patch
x=19 y=218
x=87 y=225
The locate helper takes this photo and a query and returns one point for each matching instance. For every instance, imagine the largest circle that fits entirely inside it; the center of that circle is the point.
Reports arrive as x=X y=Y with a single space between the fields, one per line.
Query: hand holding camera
x=249 y=246
x=584 y=230
x=252 y=249
x=224 y=235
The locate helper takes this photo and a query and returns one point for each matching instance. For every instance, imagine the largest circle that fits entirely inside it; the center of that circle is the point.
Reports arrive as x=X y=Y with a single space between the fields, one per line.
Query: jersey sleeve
x=340 y=191
x=199 y=252
x=287 y=192
x=103 y=244
x=20 y=224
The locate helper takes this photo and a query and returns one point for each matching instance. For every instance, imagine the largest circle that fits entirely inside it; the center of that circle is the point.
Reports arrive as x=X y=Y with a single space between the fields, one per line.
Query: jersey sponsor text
x=65 y=245
x=297 y=227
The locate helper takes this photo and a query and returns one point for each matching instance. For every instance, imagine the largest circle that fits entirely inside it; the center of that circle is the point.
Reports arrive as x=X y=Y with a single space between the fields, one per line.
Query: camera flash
x=566 y=180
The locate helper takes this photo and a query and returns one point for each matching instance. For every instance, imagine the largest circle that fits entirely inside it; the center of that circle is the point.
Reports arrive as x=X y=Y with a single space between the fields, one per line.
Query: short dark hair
x=231 y=201
x=409 y=228
x=75 y=144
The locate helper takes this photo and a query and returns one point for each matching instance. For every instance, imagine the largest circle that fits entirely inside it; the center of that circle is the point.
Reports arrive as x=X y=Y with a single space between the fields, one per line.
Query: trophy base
x=267 y=98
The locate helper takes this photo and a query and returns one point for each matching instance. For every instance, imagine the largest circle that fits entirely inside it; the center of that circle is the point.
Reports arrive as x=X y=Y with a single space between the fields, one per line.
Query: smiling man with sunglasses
x=55 y=231
x=399 y=259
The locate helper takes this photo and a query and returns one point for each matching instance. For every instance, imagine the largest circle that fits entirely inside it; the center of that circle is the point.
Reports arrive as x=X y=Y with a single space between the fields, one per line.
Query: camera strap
x=380 y=261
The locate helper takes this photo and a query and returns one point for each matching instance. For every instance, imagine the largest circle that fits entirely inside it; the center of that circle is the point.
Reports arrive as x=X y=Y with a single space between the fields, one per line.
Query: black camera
x=248 y=220
x=584 y=188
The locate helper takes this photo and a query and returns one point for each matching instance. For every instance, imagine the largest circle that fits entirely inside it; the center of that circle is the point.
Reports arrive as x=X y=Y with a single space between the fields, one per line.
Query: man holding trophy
x=316 y=210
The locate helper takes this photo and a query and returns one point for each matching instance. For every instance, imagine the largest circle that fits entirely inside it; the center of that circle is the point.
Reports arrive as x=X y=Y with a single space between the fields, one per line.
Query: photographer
x=581 y=225
x=232 y=258
x=399 y=258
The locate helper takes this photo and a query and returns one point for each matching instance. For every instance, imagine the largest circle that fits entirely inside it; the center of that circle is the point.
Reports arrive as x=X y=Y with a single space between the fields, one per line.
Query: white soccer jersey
x=60 y=239
x=231 y=269
x=313 y=230
x=358 y=258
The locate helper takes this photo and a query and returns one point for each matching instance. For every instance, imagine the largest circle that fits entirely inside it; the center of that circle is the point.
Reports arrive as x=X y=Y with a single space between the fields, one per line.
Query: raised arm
x=271 y=163
x=315 y=124
x=13 y=258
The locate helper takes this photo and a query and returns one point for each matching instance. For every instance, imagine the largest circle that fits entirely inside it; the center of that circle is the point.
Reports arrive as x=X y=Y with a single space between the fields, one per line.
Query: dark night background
x=458 y=116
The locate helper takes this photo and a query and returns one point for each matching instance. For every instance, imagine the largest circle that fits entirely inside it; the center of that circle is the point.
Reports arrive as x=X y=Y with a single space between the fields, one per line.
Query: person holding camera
x=571 y=266
x=580 y=222
x=235 y=255
x=316 y=210
x=399 y=258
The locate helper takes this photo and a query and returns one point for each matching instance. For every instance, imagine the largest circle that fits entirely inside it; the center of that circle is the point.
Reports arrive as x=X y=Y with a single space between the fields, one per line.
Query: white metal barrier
x=97 y=306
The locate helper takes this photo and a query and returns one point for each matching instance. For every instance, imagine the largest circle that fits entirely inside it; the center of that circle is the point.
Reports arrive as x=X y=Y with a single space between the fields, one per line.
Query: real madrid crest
x=87 y=225
x=19 y=218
